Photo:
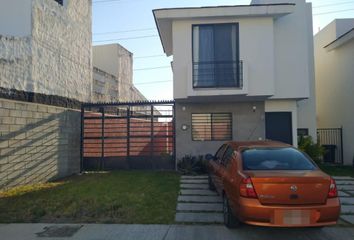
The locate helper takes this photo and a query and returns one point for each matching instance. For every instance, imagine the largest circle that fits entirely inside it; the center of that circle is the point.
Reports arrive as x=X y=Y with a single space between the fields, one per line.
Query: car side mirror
x=209 y=157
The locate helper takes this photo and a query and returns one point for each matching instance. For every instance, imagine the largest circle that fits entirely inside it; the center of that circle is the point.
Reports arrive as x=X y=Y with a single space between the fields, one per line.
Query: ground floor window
x=211 y=126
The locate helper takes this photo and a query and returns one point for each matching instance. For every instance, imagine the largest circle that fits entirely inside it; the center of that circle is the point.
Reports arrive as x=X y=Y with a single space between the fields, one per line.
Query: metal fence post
x=102 y=139
x=82 y=139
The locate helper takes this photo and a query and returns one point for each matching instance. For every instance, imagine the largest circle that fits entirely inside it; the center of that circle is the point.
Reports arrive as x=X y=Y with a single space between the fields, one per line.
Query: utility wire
x=125 y=31
x=151 y=68
x=151 y=56
x=146 y=83
x=324 y=13
x=332 y=4
x=127 y=38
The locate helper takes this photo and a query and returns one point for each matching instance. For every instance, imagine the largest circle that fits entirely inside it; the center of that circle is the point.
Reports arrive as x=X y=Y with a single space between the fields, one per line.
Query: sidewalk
x=166 y=232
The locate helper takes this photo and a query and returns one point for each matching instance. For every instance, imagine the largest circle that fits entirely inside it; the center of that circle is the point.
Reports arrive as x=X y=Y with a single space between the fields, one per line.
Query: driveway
x=167 y=232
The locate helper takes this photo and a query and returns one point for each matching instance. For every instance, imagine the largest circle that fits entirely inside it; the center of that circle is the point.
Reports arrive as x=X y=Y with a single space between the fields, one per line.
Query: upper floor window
x=60 y=2
x=216 y=56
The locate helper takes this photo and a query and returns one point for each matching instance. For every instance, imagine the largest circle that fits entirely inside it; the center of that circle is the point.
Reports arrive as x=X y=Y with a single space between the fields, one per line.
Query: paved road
x=171 y=232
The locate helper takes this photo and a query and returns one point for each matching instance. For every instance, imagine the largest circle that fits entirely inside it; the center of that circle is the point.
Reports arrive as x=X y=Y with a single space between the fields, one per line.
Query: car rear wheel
x=230 y=220
x=211 y=184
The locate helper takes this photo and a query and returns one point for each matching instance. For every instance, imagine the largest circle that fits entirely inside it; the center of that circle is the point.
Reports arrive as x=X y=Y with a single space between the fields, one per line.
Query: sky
x=131 y=24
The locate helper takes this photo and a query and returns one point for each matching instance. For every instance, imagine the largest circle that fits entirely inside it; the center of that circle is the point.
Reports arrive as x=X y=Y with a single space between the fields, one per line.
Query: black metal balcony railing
x=218 y=74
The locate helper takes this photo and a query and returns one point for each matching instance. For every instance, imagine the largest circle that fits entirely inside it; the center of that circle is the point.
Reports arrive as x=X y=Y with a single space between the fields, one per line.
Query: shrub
x=192 y=165
x=314 y=150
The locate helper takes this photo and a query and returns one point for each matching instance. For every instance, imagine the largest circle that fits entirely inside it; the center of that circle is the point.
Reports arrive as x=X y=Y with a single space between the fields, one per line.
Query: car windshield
x=275 y=159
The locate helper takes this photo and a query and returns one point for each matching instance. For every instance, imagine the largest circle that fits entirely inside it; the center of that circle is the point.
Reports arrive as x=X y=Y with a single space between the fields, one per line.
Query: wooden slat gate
x=131 y=135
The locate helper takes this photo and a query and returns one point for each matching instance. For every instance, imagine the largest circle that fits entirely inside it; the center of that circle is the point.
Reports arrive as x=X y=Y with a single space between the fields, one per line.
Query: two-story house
x=334 y=67
x=240 y=72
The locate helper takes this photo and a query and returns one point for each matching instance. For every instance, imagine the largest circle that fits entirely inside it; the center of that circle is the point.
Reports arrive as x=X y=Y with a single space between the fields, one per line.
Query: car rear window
x=275 y=159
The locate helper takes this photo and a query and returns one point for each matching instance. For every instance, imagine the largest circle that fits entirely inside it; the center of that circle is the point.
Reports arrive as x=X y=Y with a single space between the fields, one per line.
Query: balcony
x=218 y=74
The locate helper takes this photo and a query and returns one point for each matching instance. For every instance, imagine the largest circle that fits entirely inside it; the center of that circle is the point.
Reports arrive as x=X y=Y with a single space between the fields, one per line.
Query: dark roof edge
x=158 y=30
x=228 y=6
x=341 y=36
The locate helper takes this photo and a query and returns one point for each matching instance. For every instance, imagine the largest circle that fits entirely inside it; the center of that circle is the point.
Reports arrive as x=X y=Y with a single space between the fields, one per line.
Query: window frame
x=227 y=156
x=237 y=54
x=211 y=127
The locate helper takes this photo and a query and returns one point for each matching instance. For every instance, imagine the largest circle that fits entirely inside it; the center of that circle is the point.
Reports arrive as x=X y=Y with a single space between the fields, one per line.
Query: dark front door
x=279 y=126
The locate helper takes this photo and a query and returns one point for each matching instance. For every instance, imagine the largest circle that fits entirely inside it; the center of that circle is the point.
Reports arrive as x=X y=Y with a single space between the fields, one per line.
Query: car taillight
x=332 y=189
x=246 y=188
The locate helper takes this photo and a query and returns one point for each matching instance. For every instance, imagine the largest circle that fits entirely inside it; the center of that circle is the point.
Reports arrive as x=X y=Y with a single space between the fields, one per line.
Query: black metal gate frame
x=332 y=136
x=102 y=106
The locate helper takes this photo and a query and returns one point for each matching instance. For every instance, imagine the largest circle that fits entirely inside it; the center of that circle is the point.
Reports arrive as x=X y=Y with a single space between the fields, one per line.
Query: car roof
x=253 y=144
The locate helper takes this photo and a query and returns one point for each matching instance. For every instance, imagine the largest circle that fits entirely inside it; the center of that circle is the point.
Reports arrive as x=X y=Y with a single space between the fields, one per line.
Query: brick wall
x=37 y=143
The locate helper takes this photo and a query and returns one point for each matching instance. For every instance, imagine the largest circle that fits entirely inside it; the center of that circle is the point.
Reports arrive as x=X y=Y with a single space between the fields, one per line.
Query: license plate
x=296 y=217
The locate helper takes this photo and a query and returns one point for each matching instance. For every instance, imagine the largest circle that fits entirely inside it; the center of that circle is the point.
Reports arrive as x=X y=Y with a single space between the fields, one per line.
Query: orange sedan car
x=269 y=183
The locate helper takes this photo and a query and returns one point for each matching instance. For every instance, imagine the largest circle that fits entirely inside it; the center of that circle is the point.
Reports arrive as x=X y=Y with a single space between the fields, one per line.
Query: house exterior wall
x=37 y=143
x=276 y=55
x=335 y=84
x=105 y=87
x=294 y=63
x=246 y=125
x=113 y=75
x=15 y=18
x=258 y=60
x=57 y=49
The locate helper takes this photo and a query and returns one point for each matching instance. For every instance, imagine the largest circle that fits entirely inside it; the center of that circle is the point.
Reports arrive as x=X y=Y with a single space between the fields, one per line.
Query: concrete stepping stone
x=347 y=209
x=345 y=182
x=199 y=199
x=200 y=207
x=343 y=194
x=194 y=181
x=197 y=186
x=351 y=192
x=348 y=218
x=342 y=178
x=347 y=200
x=194 y=177
x=198 y=192
x=345 y=187
x=199 y=218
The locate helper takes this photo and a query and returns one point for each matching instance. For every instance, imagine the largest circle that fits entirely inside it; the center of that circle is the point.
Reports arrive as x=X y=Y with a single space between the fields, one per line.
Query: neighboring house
x=113 y=75
x=240 y=72
x=334 y=65
x=45 y=47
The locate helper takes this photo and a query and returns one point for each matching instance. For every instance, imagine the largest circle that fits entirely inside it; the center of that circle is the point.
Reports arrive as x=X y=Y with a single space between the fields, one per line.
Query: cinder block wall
x=37 y=143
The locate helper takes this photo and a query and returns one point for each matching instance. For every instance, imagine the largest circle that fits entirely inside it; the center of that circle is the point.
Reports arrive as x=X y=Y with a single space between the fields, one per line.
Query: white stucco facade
x=46 y=48
x=334 y=65
x=275 y=47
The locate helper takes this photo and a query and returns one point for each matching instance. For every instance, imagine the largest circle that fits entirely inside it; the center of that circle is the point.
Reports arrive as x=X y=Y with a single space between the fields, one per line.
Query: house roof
x=347 y=36
x=165 y=16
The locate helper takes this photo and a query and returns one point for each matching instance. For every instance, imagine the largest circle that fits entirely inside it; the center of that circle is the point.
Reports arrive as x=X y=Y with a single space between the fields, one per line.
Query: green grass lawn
x=337 y=170
x=114 y=197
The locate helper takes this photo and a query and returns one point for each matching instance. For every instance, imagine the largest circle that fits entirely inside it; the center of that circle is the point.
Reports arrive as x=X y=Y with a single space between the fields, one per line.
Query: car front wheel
x=230 y=220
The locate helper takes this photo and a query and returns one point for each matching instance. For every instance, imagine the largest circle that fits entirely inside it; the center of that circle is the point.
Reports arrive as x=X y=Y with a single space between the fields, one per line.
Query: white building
x=45 y=47
x=113 y=75
x=334 y=65
x=240 y=72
